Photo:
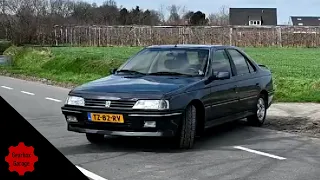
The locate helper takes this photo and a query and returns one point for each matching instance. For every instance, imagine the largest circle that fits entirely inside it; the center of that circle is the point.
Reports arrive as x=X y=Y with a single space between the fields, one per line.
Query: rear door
x=223 y=96
x=247 y=81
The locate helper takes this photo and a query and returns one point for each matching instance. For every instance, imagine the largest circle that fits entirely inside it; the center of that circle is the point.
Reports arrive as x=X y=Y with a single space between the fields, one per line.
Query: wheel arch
x=265 y=94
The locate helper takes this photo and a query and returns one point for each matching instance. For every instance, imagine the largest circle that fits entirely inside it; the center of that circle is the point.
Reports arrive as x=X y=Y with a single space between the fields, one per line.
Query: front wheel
x=188 y=128
x=95 y=138
x=260 y=112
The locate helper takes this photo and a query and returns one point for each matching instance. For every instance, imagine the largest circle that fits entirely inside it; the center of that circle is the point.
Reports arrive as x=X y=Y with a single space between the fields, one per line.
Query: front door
x=223 y=93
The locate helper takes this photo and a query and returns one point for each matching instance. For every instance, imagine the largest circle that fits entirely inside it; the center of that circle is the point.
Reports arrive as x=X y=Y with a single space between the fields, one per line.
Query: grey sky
x=286 y=8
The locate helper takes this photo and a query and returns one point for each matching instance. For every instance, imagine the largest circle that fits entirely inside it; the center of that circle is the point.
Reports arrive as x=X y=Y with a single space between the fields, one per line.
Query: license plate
x=109 y=118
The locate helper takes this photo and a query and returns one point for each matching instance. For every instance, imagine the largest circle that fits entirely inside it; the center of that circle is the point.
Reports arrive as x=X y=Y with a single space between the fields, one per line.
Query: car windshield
x=175 y=61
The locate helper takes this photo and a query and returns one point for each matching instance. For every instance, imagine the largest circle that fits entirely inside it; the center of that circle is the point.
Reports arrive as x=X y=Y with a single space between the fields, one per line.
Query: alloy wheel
x=261 y=109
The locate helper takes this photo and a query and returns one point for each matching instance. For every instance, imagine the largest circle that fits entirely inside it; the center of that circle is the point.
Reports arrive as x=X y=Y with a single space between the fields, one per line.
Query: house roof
x=242 y=16
x=253 y=10
x=306 y=20
x=255 y=18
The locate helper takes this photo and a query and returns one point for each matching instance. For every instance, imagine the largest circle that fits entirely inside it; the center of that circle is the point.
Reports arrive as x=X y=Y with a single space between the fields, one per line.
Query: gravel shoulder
x=296 y=118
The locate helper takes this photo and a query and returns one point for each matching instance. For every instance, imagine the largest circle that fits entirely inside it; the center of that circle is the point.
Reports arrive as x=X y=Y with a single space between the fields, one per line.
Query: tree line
x=23 y=20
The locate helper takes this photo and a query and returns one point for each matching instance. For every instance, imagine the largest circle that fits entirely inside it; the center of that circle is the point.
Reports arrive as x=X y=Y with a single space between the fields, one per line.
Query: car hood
x=135 y=84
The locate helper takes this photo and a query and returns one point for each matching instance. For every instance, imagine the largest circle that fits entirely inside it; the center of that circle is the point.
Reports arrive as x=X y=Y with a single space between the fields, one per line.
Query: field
x=296 y=70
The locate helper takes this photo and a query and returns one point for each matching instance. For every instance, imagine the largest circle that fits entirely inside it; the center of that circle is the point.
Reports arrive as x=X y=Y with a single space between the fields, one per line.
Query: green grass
x=296 y=70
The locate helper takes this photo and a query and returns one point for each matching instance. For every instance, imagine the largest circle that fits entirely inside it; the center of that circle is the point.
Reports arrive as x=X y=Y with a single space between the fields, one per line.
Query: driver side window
x=220 y=62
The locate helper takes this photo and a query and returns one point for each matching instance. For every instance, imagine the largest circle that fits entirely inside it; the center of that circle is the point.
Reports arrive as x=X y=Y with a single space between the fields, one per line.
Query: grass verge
x=296 y=70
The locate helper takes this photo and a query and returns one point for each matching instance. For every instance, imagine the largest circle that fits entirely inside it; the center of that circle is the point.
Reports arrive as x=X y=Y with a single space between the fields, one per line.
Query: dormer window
x=255 y=20
x=254 y=23
x=300 y=24
x=299 y=19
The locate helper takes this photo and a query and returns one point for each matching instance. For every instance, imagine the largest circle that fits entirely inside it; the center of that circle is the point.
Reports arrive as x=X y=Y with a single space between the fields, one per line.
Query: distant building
x=305 y=21
x=253 y=16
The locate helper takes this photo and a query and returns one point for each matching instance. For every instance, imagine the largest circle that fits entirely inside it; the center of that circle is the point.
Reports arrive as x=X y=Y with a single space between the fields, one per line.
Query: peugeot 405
x=174 y=91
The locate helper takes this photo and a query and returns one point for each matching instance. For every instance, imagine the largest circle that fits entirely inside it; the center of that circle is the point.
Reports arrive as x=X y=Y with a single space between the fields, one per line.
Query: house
x=253 y=16
x=305 y=20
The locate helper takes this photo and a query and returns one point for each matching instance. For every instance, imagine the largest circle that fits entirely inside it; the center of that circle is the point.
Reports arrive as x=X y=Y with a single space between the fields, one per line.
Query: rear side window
x=251 y=68
x=239 y=61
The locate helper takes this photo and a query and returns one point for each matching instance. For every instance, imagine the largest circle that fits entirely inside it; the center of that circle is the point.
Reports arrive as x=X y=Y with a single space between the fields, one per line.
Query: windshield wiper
x=169 y=73
x=130 y=71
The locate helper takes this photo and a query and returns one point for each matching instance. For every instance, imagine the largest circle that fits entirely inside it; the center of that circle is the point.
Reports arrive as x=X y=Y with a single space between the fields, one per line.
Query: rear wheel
x=188 y=128
x=95 y=138
x=260 y=114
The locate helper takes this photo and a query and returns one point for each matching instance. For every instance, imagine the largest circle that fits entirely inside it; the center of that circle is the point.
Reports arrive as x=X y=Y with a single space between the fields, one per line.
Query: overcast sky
x=286 y=8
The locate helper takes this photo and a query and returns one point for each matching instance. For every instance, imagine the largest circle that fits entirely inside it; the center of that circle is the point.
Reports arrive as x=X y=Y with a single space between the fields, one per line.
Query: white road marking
x=259 y=152
x=29 y=93
x=52 y=99
x=6 y=87
x=90 y=174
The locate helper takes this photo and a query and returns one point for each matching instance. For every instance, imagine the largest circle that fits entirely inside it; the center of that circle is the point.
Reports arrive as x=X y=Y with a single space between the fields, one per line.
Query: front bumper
x=120 y=133
x=167 y=123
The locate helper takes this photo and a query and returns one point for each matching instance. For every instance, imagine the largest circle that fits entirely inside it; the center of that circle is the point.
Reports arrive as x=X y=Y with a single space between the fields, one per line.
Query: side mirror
x=219 y=75
x=222 y=75
x=113 y=71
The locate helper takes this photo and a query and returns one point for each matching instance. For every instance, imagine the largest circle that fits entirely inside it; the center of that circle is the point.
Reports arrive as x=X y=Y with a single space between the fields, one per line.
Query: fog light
x=72 y=119
x=150 y=124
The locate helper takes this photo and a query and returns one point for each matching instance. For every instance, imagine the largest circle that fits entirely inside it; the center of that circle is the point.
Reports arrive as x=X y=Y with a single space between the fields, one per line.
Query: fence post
x=279 y=33
x=61 y=34
x=94 y=36
x=71 y=35
x=182 y=33
x=230 y=36
x=135 y=36
x=55 y=35
x=99 y=41
x=66 y=35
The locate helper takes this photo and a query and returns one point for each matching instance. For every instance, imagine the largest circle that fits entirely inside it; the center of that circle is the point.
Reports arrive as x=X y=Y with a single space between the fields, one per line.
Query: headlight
x=152 y=104
x=75 y=101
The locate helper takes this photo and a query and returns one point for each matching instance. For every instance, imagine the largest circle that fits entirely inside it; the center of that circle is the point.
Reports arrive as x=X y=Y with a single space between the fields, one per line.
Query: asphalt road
x=229 y=152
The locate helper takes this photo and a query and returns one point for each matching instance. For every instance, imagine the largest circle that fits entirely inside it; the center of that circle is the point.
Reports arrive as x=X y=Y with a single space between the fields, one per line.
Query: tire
x=260 y=114
x=187 y=133
x=95 y=138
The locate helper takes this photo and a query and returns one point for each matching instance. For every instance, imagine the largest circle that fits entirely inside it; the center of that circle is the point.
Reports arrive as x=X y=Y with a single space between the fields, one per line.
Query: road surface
x=230 y=152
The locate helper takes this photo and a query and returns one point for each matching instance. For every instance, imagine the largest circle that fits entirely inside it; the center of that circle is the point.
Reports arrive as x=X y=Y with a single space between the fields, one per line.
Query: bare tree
x=61 y=8
x=220 y=18
x=174 y=15
x=3 y=6
x=28 y=21
x=161 y=12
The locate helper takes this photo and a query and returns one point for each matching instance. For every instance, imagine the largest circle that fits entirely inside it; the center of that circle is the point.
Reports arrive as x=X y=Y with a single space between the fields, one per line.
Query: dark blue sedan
x=175 y=91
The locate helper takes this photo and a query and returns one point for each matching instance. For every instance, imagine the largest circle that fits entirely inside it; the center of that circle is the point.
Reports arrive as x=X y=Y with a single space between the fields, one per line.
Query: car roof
x=205 y=46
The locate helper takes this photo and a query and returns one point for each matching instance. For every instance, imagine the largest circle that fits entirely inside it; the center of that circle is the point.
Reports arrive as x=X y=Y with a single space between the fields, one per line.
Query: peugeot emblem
x=108 y=103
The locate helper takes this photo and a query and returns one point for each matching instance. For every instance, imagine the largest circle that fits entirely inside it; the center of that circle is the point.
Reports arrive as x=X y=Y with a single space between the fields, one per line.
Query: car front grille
x=122 y=104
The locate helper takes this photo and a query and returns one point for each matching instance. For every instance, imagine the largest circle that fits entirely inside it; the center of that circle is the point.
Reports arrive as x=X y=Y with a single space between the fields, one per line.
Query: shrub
x=4 y=45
